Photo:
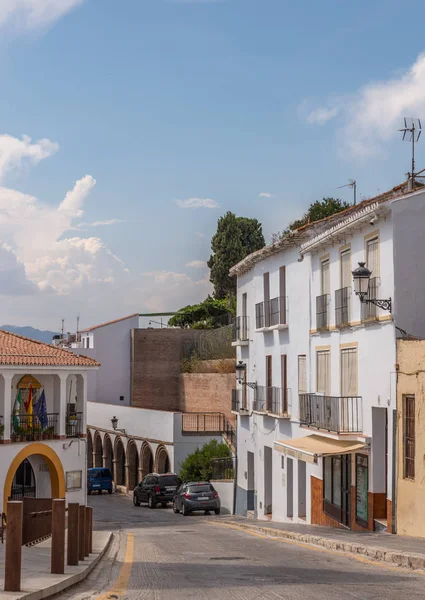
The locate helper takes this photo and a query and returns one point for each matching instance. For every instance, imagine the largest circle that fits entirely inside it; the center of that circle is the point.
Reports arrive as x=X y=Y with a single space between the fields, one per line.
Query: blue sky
x=164 y=101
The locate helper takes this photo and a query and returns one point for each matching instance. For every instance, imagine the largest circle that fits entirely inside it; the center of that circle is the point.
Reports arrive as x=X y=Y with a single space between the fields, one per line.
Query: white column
x=84 y=386
x=61 y=430
x=7 y=407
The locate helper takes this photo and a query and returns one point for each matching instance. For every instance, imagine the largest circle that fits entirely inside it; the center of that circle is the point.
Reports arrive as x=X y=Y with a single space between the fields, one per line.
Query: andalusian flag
x=17 y=411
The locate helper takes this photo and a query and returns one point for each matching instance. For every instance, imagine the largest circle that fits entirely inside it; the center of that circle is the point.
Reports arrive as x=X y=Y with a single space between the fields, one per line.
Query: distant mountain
x=31 y=332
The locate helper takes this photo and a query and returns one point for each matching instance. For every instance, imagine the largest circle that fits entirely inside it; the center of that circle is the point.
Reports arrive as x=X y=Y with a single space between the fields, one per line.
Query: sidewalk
x=397 y=550
x=37 y=581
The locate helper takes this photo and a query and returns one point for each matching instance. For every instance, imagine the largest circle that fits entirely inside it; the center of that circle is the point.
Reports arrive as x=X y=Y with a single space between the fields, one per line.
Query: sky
x=128 y=128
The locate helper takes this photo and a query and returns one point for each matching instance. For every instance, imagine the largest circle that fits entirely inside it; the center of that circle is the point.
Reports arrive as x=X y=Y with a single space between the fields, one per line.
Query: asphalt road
x=157 y=555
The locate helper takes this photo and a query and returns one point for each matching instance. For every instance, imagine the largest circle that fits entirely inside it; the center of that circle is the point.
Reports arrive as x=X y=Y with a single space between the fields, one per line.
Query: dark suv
x=156 y=489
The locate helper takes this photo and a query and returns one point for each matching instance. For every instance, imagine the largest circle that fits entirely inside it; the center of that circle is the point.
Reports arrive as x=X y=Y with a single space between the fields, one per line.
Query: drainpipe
x=394 y=474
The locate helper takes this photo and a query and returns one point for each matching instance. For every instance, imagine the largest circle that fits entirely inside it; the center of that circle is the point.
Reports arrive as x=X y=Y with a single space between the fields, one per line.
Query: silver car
x=196 y=496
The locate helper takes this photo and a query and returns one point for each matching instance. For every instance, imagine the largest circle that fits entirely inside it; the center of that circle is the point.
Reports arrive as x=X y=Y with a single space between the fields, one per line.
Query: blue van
x=99 y=479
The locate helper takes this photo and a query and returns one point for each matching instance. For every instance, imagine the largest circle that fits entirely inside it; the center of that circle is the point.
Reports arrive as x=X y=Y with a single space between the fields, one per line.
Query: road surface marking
x=363 y=559
x=121 y=584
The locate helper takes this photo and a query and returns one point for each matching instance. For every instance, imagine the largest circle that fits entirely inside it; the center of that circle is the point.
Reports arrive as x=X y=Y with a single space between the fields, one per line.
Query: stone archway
x=98 y=450
x=133 y=465
x=162 y=460
x=108 y=453
x=119 y=462
x=146 y=459
x=89 y=450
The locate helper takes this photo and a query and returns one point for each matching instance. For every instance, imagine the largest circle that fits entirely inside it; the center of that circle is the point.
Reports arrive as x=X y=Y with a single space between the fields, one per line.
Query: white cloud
x=27 y=15
x=196 y=264
x=200 y=235
x=14 y=151
x=197 y=203
x=265 y=195
x=170 y=291
x=13 y=279
x=369 y=118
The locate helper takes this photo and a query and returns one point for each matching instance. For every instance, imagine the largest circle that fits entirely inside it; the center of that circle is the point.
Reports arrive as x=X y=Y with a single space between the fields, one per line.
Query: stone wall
x=207 y=392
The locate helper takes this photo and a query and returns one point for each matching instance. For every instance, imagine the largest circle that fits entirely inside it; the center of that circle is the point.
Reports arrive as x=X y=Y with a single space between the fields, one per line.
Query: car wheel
x=207 y=512
x=217 y=511
x=110 y=491
x=175 y=509
x=135 y=501
x=88 y=492
x=151 y=502
x=164 y=504
x=185 y=512
x=100 y=492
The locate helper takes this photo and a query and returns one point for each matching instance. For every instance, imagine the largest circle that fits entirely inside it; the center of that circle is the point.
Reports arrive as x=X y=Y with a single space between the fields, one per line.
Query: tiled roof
x=19 y=350
x=299 y=236
x=109 y=323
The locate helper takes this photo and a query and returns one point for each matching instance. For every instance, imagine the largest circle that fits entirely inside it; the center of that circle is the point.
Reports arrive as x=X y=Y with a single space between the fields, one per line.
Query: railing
x=74 y=425
x=208 y=423
x=240 y=329
x=27 y=428
x=336 y=414
x=271 y=400
x=342 y=307
x=271 y=312
x=238 y=403
x=368 y=310
x=36 y=519
x=260 y=316
x=322 y=321
x=223 y=468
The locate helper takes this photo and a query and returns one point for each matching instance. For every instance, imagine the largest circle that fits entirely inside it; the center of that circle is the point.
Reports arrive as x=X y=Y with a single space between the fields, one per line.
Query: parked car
x=196 y=496
x=156 y=489
x=99 y=479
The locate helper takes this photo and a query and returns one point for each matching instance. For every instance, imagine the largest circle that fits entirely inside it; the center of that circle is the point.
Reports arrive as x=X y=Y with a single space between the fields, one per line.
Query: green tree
x=198 y=465
x=205 y=315
x=318 y=210
x=235 y=238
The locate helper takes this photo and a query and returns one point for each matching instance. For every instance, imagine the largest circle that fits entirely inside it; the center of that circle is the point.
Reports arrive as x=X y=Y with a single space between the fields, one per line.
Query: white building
x=43 y=403
x=315 y=441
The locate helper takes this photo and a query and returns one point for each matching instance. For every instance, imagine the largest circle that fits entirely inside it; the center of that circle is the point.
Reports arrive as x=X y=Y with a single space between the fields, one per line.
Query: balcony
x=239 y=402
x=271 y=314
x=335 y=414
x=271 y=400
x=369 y=312
x=240 y=331
x=74 y=425
x=28 y=428
x=209 y=424
x=342 y=307
x=322 y=315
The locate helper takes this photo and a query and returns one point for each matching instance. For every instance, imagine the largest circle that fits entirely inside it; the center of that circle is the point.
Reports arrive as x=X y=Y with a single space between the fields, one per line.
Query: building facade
x=317 y=382
x=43 y=403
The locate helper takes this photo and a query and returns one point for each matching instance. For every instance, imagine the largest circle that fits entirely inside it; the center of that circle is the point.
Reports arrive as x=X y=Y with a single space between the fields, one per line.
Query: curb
x=55 y=588
x=396 y=558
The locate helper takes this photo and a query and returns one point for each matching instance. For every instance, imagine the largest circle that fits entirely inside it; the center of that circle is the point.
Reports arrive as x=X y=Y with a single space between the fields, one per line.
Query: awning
x=310 y=447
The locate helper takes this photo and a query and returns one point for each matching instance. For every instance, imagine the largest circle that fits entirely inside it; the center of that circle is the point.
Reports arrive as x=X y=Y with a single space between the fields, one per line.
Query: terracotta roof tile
x=19 y=350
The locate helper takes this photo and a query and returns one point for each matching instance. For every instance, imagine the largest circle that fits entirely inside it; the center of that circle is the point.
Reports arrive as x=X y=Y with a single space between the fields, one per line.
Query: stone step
x=381 y=525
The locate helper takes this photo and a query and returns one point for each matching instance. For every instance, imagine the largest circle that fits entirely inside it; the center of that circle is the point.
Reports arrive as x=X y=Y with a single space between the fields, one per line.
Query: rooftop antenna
x=411 y=133
x=63 y=325
x=78 y=324
x=351 y=184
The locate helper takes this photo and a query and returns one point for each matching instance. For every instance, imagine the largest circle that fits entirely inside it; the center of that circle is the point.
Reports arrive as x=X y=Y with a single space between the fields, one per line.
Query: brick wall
x=207 y=392
x=155 y=367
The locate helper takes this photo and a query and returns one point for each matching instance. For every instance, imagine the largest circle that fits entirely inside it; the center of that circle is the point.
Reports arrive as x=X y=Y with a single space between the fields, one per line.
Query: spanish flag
x=28 y=403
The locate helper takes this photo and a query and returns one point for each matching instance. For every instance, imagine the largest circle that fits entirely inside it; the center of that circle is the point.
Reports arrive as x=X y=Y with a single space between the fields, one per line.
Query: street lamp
x=240 y=375
x=361 y=277
x=114 y=422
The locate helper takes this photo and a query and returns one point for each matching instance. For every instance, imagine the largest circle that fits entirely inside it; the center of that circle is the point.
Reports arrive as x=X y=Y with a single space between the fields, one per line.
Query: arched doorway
x=89 y=450
x=120 y=462
x=133 y=465
x=23 y=485
x=162 y=461
x=50 y=481
x=146 y=459
x=109 y=453
x=98 y=450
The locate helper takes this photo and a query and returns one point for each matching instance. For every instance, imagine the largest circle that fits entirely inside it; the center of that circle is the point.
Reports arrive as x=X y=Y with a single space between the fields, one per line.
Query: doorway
x=302 y=489
x=23 y=485
x=290 y=488
x=250 y=481
x=268 y=480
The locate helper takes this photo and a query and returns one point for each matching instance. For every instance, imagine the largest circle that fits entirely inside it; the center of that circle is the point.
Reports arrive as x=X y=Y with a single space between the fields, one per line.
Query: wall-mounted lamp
x=240 y=375
x=114 y=422
x=361 y=277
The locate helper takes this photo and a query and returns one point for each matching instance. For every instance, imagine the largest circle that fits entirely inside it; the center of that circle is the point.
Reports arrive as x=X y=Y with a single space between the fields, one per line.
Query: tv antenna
x=351 y=184
x=411 y=133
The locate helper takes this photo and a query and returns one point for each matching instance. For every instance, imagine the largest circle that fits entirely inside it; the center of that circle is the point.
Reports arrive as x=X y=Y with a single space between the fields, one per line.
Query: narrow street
x=157 y=555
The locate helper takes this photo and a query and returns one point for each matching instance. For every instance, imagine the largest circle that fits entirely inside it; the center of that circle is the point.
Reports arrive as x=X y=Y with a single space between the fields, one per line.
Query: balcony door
x=323 y=416
x=348 y=418
x=269 y=383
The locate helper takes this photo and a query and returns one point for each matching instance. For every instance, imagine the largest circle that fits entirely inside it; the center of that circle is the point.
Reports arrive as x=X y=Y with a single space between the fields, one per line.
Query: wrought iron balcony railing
x=74 y=425
x=271 y=313
x=239 y=401
x=27 y=428
x=336 y=414
x=322 y=314
x=240 y=329
x=342 y=306
x=271 y=400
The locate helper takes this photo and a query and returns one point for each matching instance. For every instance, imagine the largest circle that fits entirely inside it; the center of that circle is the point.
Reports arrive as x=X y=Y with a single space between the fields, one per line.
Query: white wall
x=225 y=490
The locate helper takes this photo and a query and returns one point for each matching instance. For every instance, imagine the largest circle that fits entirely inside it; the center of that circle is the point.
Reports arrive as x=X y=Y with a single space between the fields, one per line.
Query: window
x=345 y=266
x=302 y=374
x=409 y=436
x=266 y=288
x=369 y=311
x=323 y=382
x=325 y=285
x=284 y=383
x=349 y=372
x=372 y=256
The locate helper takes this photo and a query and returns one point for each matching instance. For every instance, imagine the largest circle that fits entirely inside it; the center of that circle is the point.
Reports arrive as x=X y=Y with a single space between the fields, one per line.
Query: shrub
x=198 y=465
